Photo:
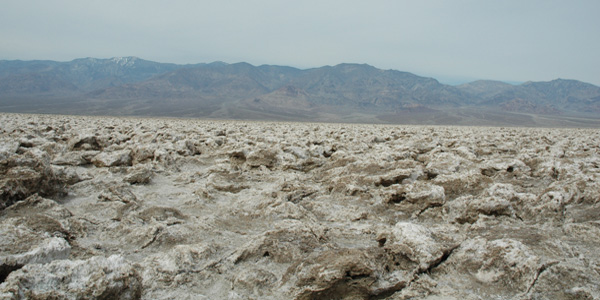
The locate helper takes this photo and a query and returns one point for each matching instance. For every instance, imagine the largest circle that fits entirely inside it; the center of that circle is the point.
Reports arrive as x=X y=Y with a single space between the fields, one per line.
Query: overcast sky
x=453 y=41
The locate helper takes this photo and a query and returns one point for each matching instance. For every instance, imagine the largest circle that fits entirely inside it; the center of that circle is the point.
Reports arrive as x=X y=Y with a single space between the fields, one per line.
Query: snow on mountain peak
x=124 y=61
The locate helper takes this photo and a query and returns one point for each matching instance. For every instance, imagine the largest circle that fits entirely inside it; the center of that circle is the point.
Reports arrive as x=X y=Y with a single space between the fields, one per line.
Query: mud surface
x=105 y=208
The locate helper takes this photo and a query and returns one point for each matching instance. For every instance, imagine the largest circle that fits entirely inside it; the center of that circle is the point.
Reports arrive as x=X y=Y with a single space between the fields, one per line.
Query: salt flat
x=130 y=208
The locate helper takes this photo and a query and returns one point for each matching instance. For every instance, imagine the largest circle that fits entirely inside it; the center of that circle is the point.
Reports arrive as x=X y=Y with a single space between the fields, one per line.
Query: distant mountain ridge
x=345 y=92
x=81 y=75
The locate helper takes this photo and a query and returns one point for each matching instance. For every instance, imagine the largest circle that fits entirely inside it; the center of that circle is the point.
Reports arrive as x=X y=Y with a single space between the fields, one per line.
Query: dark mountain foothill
x=342 y=93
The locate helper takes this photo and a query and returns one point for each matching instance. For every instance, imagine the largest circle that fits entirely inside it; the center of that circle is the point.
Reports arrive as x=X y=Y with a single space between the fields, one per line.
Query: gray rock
x=140 y=174
x=262 y=157
x=86 y=142
x=95 y=278
x=504 y=266
x=48 y=250
x=8 y=148
x=71 y=158
x=113 y=159
x=25 y=175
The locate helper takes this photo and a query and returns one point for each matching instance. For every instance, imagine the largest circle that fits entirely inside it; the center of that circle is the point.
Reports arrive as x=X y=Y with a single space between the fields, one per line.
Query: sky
x=453 y=41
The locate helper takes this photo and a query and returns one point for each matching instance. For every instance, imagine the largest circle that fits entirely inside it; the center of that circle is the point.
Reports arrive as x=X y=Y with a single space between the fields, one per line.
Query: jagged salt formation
x=187 y=209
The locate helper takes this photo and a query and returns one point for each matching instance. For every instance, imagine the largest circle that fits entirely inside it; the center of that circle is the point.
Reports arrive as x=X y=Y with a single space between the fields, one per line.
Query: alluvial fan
x=133 y=208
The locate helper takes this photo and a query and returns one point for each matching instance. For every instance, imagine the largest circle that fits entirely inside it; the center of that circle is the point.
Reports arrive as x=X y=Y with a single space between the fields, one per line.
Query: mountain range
x=341 y=93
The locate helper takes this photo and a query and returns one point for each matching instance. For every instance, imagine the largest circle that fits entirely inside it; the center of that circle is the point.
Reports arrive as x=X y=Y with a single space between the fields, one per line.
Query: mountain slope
x=552 y=97
x=91 y=73
x=227 y=82
x=83 y=75
x=485 y=89
x=366 y=86
x=345 y=92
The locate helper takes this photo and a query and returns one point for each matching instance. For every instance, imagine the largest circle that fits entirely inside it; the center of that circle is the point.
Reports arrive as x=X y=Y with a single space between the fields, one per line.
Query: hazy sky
x=451 y=40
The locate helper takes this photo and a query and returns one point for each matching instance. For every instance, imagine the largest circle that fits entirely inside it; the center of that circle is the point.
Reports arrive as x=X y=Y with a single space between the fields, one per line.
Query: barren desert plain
x=141 y=208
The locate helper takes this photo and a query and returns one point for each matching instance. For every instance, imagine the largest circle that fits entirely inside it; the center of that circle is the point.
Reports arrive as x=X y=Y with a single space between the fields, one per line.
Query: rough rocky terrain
x=117 y=208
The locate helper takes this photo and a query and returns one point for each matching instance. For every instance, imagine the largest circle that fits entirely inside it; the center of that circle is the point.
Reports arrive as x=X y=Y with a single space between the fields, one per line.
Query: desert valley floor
x=135 y=208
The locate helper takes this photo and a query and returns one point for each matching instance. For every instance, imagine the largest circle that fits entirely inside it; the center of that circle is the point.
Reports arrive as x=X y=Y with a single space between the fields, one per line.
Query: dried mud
x=127 y=208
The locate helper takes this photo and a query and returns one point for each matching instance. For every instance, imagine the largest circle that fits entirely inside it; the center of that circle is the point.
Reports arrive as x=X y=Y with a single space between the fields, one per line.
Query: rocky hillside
x=551 y=97
x=117 y=208
x=25 y=78
x=345 y=93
